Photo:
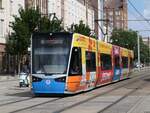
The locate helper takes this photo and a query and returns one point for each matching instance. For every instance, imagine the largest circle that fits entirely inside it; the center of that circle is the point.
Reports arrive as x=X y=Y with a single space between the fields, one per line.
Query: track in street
x=19 y=110
x=91 y=98
x=122 y=98
x=5 y=104
x=130 y=81
x=101 y=94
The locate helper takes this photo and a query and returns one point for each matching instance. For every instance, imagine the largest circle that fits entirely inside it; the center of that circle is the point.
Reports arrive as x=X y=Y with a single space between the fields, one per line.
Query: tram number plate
x=48 y=82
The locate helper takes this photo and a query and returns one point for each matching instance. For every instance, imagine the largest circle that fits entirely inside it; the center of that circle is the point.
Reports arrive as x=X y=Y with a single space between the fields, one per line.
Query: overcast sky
x=143 y=6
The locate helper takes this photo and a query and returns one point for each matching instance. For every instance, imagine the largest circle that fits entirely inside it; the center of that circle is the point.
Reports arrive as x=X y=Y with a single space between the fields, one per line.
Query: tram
x=68 y=63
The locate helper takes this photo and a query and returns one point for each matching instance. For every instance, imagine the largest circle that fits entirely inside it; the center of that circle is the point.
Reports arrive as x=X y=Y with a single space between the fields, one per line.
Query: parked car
x=141 y=65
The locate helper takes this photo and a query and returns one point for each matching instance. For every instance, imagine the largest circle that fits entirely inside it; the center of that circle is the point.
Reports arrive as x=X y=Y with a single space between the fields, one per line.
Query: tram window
x=90 y=61
x=106 y=62
x=76 y=62
x=117 y=62
x=125 y=62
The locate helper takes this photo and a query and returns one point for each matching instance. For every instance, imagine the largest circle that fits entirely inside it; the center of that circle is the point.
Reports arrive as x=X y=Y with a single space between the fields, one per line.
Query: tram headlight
x=62 y=79
x=36 y=79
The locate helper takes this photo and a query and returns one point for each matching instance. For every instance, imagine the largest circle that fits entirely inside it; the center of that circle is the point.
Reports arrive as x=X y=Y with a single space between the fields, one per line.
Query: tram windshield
x=50 y=53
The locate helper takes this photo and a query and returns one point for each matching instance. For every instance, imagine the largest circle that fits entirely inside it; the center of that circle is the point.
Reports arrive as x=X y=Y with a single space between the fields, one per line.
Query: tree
x=28 y=21
x=144 y=50
x=47 y=25
x=80 y=28
x=128 y=39
x=19 y=41
x=124 y=38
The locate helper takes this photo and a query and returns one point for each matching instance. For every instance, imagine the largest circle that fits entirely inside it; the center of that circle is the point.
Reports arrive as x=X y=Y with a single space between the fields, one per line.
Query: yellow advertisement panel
x=104 y=47
x=84 y=41
x=124 y=52
x=132 y=54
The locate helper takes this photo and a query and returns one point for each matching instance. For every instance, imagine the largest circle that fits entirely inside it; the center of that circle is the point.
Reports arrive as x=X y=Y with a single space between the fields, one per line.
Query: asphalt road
x=120 y=97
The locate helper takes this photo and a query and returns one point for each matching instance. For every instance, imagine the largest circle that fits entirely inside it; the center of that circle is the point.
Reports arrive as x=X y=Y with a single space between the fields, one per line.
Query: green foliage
x=55 y=25
x=80 y=28
x=145 y=52
x=29 y=21
x=19 y=41
x=128 y=39
x=124 y=38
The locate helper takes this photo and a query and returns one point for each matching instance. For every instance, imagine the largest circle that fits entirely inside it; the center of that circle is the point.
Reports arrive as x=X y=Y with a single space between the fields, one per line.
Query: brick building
x=116 y=12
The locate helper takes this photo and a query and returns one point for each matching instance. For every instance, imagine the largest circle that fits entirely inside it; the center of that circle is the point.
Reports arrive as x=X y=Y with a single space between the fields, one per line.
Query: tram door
x=90 y=68
x=117 y=63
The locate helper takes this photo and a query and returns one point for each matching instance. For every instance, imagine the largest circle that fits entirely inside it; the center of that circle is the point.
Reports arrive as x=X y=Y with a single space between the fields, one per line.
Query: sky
x=143 y=6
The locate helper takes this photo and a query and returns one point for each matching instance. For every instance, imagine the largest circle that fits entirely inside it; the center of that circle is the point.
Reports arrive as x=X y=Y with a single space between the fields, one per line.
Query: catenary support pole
x=138 y=44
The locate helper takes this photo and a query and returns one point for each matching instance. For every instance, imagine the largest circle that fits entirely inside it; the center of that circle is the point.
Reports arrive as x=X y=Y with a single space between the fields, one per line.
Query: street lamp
x=138 y=44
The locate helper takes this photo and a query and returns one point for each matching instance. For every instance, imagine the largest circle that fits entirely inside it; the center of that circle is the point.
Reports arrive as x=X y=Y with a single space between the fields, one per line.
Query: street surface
x=128 y=96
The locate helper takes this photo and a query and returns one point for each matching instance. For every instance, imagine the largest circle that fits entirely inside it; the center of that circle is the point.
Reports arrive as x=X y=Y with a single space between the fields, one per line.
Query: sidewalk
x=8 y=77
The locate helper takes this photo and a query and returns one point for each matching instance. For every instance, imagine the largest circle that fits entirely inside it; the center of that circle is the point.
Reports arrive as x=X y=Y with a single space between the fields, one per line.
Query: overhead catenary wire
x=139 y=12
x=146 y=27
x=96 y=9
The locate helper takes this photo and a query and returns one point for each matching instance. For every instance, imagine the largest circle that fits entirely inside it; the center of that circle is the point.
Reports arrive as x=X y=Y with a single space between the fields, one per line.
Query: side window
x=106 y=62
x=90 y=61
x=76 y=62
x=125 y=62
x=117 y=61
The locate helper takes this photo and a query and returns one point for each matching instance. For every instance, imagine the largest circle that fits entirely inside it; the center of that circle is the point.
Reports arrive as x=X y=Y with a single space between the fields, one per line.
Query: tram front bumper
x=48 y=86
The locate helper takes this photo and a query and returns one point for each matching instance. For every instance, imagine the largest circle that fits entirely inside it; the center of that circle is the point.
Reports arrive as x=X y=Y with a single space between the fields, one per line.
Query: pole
x=138 y=43
x=107 y=22
x=149 y=51
x=86 y=6
x=114 y=18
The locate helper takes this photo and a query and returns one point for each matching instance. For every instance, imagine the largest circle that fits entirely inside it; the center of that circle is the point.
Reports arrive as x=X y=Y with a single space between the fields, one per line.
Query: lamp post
x=138 y=44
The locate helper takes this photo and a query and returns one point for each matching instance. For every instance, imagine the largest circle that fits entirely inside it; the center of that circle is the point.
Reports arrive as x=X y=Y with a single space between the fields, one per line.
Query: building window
x=90 y=61
x=106 y=62
x=1 y=28
x=1 y=4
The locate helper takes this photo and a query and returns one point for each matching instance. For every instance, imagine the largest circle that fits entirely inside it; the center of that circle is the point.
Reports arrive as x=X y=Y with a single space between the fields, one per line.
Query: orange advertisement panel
x=75 y=84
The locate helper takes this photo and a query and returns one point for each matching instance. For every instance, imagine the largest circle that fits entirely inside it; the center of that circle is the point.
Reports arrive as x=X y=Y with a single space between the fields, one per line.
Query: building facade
x=41 y=4
x=8 y=8
x=72 y=11
x=115 y=11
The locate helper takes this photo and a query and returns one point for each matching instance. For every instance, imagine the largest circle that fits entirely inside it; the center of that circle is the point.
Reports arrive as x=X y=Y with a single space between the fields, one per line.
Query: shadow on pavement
x=21 y=94
x=147 y=80
x=30 y=94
